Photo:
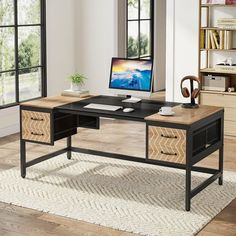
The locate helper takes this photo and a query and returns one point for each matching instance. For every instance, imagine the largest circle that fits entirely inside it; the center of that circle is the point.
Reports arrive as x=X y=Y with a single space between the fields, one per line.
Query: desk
x=180 y=141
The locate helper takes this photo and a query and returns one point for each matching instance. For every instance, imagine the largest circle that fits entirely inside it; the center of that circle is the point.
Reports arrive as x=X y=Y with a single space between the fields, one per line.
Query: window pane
x=133 y=10
x=30 y=84
x=6 y=12
x=7 y=88
x=133 y=45
x=7 y=54
x=145 y=36
x=145 y=12
x=28 y=12
x=29 y=47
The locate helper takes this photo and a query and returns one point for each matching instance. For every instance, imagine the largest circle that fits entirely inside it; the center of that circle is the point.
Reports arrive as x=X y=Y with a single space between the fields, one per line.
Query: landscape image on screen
x=131 y=74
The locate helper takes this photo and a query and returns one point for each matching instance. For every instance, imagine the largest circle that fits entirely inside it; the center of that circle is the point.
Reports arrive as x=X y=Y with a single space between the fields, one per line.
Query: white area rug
x=134 y=197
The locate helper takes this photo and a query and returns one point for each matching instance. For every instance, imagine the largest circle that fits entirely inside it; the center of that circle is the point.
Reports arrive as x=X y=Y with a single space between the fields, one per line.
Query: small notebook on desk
x=71 y=93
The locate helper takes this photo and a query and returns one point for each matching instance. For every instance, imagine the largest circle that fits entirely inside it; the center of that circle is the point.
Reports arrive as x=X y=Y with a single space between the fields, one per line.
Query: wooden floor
x=112 y=137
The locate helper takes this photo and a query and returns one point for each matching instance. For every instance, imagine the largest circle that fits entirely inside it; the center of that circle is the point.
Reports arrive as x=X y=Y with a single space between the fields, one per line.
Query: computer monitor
x=131 y=77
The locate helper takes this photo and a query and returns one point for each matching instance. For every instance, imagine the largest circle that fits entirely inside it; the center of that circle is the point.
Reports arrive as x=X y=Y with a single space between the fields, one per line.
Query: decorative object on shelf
x=193 y=93
x=231 y=89
x=216 y=83
x=226 y=65
x=77 y=81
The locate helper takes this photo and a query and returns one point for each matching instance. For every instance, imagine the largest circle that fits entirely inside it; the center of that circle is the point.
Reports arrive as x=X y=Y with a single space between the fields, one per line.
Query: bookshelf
x=217 y=43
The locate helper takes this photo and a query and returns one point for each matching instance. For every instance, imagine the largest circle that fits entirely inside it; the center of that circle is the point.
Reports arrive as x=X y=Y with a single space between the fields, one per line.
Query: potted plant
x=77 y=81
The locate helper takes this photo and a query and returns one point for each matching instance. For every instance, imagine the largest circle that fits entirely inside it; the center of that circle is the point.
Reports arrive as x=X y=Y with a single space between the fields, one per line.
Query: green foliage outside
x=29 y=53
x=133 y=3
x=134 y=45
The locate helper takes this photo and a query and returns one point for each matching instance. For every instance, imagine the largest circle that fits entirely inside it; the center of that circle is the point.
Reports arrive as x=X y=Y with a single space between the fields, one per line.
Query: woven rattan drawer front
x=36 y=126
x=167 y=144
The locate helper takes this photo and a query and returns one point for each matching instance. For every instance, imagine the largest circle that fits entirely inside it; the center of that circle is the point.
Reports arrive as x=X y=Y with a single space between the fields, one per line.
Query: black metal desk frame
x=191 y=159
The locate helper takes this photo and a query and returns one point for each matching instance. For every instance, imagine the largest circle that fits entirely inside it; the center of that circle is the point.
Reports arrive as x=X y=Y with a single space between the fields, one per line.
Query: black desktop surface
x=141 y=110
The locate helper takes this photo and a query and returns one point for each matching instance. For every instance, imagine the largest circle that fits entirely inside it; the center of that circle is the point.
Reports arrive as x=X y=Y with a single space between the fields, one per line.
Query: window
x=140 y=27
x=22 y=51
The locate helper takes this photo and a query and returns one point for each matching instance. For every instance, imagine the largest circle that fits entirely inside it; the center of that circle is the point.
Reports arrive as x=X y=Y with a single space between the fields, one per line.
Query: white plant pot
x=75 y=87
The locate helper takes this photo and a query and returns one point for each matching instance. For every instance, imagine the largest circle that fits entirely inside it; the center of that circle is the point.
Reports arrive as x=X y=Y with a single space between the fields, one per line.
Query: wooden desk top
x=52 y=102
x=186 y=116
x=182 y=116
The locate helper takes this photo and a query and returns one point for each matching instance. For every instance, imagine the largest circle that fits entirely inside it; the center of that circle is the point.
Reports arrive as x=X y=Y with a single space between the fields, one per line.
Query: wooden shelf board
x=226 y=50
x=218 y=92
x=212 y=70
x=218 y=5
x=216 y=28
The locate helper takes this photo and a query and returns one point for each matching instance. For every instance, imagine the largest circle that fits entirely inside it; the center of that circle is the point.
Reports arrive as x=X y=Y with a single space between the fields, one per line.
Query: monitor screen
x=130 y=74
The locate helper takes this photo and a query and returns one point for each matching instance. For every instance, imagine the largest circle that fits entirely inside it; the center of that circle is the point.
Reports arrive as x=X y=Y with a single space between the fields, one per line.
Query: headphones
x=185 y=91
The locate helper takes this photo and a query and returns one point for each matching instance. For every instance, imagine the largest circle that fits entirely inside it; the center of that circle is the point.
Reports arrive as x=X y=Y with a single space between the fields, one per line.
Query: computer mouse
x=128 y=110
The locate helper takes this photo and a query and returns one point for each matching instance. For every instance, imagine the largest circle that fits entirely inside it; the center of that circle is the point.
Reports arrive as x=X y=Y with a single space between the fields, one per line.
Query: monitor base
x=132 y=100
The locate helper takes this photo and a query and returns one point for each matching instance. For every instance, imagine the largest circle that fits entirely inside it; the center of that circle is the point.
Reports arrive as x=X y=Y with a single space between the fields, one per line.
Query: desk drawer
x=36 y=126
x=167 y=144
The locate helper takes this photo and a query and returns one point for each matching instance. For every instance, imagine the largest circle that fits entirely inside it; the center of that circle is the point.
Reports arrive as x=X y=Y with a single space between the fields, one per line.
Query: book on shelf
x=222 y=39
x=216 y=1
x=202 y=39
x=226 y=66
x=213 y=46
x=72 y=93
x=229 y=40
x=217 y=39
x=226 y=23
x=220 y=69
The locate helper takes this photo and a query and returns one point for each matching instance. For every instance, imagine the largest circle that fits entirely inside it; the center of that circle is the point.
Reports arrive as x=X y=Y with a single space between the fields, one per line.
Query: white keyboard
x=103 y=107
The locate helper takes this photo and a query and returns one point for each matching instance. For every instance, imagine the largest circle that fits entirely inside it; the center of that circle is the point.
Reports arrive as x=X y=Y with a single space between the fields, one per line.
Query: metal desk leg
x=69 y=148
x=221 y=164
x=188 y=181
x=188 y=189
x=221 y=151
x=23 y=158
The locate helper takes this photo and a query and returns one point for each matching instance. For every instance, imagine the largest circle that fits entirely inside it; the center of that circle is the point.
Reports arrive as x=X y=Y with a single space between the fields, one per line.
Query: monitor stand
x=131 y=99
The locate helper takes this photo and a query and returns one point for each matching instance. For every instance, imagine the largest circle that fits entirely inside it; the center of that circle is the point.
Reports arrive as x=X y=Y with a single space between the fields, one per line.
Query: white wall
x=182 y=44
x=60 y=56
x=60 y=44
x=96 y=41
x=9 y=121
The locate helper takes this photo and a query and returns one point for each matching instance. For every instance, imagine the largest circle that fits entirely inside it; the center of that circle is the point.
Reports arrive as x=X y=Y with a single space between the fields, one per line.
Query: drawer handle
x=168 y=136
x=36 y=119
x=168 y=153
x=36 y=134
